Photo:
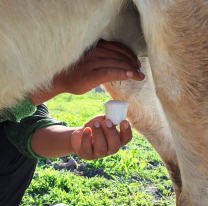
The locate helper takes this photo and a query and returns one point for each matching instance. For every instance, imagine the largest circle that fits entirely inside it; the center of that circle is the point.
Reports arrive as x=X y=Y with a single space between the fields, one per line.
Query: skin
x=109 y=61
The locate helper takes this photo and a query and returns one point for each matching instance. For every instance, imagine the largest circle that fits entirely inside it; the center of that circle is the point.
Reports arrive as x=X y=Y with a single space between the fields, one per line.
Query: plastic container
x=116 y=111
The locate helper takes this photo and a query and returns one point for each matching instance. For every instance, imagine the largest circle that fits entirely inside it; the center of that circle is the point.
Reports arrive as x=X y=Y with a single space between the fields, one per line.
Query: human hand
x=99 y=138
x=108 y=61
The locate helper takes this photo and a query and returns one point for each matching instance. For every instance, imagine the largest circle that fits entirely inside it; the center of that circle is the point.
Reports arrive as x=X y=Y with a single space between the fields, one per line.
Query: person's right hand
x=108 y=61
x=99 y=138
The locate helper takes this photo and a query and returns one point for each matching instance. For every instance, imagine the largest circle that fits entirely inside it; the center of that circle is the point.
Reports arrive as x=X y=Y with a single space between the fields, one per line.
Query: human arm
x=108 y=61
x=40 y=136
x=96 y=139
x=20 y=133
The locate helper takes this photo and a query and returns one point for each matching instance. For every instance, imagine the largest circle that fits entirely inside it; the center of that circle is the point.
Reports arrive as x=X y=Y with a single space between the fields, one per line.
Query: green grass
x=130 y=174
x=77 y=110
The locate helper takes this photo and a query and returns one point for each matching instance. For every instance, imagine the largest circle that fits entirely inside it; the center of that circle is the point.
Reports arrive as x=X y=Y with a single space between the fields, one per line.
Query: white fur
x=40 y=38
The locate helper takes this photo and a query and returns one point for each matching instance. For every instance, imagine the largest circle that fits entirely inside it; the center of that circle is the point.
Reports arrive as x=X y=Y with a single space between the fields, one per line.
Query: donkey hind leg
x=147 y=118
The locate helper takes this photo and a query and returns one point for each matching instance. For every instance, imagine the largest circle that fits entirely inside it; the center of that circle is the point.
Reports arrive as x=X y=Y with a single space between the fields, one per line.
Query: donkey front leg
x=147 y=118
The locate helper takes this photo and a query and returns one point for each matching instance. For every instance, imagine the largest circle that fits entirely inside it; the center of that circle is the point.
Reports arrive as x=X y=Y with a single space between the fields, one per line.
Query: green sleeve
x=20 y=110
x=20 y=133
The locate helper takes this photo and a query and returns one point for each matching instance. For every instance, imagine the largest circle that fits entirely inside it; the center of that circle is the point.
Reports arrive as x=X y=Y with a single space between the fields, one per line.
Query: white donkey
x=169 y=108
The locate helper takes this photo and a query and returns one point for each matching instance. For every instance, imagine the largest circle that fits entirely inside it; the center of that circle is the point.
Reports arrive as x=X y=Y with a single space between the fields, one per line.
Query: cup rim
x=116 y=102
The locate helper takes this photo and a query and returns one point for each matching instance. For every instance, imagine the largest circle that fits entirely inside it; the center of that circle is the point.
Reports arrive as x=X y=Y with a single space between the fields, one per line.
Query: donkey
x=170 y=37
x=170 y=108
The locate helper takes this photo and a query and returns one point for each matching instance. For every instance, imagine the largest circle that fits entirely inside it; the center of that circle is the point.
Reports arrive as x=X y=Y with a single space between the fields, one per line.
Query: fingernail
x=141 y=74
x=108 y=123
x=87 y=130
x=126 y=125
x=129 y=74
x=139 y=63
x=96 y=123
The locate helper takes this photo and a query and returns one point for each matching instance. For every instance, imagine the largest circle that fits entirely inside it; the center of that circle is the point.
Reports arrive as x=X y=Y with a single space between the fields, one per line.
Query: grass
x=135 y=176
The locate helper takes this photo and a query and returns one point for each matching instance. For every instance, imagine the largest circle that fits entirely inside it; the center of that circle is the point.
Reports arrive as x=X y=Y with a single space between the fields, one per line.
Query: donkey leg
x=146 y=116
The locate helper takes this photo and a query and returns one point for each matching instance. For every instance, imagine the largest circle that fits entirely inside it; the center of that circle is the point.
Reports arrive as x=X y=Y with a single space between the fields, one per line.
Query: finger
x=86 y=150
x=121 y=49
x=100 y=117
x=112 y=137
x=110 y=62
x=117 y=60
x=116 y=46
x=125 y=132
x=102 y=75
x=118 y=64
x=105 y=53
x=100 y=144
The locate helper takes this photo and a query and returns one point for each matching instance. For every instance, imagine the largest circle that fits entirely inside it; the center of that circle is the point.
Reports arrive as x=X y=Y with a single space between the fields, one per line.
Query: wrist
x=60 y=81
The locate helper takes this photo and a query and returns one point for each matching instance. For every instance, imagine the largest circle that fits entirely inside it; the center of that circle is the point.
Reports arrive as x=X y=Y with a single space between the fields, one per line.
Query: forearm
x=52 y=141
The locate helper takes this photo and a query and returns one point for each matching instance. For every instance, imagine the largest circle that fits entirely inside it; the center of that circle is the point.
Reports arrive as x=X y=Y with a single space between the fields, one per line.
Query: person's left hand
x=100 y=138
x=108 y=61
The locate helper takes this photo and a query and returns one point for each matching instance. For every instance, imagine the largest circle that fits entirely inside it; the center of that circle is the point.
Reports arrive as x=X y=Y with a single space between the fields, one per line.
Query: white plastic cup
x=116 y=111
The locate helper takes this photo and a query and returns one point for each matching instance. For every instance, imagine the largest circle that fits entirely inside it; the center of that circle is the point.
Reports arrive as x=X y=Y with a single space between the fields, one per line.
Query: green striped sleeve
x=20 y=133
